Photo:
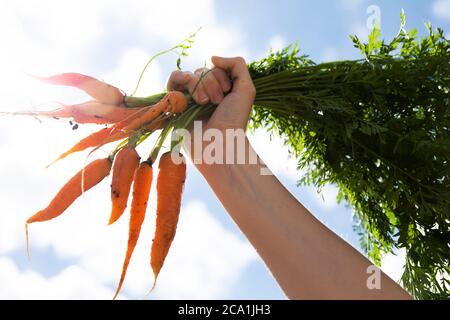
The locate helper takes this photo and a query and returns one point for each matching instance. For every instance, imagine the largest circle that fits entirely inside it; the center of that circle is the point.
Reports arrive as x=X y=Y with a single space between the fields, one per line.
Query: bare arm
x=307 y=259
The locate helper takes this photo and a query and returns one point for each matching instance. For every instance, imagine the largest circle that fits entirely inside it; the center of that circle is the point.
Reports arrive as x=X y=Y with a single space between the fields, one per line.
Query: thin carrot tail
x=62 y=156
x=52 y=113
x=152 y=288
x=124 y=272
x=27 y=242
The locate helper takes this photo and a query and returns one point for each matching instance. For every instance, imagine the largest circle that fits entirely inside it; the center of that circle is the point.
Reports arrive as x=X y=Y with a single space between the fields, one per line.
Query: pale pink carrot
x=97 y=89
x=87 y=112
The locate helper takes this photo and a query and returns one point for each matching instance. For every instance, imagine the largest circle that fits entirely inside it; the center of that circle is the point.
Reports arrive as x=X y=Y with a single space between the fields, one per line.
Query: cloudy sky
x=77 y=256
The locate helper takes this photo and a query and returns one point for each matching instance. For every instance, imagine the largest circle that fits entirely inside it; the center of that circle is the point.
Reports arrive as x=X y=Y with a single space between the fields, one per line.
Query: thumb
x=237 y=67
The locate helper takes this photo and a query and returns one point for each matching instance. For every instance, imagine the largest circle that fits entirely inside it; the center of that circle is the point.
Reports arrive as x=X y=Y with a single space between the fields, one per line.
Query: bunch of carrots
x=377 y=127
x=130 y=125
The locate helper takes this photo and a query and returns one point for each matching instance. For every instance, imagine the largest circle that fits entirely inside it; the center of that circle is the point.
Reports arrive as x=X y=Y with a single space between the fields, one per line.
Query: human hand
x=228 y=85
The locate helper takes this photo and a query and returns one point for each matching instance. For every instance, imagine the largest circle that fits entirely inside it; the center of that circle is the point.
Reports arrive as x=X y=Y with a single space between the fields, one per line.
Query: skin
x=307 y=259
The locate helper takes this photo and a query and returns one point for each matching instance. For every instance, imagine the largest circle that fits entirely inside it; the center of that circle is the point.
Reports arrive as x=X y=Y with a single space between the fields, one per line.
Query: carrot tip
x=27 y=242
x=112 y=219
x=119 y=287
x=52 y=163
x=116 y=294
x=151 y=289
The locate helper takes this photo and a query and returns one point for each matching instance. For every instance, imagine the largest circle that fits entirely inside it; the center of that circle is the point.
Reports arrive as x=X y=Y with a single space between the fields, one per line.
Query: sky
x=77 y=256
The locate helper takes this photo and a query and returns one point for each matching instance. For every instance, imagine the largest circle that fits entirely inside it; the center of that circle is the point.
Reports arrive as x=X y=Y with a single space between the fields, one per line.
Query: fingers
x=242 y=81
x=178 y=80
x=210 y=84
x=197 y=90
x=204 y=85
x=187 y=81
x=223 y=79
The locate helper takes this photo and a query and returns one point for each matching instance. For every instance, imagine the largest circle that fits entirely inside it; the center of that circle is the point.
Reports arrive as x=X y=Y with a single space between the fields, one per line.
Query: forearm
x=307 y=259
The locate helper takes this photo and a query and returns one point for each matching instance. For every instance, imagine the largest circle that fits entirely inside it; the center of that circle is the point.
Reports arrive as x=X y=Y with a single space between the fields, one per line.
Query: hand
x=234 y=106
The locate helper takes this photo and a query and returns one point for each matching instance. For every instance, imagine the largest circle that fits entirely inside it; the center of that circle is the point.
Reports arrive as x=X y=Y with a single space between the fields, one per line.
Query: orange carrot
x=125 y=164
x=141 y=189
x=102 y=137
x=169 y=187
x=91 y=175
x=97 y=89
x=92 y=140
x=153 y=116
x=173 y=102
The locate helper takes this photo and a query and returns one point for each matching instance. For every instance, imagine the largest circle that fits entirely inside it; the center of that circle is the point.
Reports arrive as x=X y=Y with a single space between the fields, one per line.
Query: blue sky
x=76 y=255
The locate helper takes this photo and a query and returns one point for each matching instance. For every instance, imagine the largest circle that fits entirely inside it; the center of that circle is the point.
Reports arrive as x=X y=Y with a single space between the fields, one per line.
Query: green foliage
x=378 y=128
x=181 y=50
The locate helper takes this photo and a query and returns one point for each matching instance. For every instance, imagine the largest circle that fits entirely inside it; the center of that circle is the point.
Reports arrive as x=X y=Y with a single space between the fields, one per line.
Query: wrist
x=239 y=170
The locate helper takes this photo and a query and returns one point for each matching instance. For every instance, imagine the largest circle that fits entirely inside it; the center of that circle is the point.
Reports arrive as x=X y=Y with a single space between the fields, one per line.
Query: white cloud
x=329 y=54
x=126 y=75
x=327 y=197
x=361 y=31
x=441 y=9
x=189 y=16
x=72 y=283
x=351 y=5
x=274 y=154
x=277 y=42
x=206 y=259
x=393 y=264
x=62 y=23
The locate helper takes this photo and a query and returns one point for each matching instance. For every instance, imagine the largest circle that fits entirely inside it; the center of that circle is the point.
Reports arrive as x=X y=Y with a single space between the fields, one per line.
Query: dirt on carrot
x=173 y=102
x=169 y=186
x=92 y=140
x=90 y=176
x=125 y=164
x=142 y=183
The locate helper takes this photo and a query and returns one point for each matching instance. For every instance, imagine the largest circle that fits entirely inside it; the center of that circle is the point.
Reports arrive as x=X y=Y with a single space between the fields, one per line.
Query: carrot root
x=125 y=164
x=97 y=89
x=141 y=189
x=169 y=188
x=84 y=180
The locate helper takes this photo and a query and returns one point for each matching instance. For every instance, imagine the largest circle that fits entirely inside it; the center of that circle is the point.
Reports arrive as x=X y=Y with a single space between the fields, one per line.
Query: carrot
x=141 y=189
x=91 y=175
x=169 y=187
x=88 y=112
x=118 y=134
x=173 y=102
x=125 y=164
x=92 y=140
x=101 y=113
x=152 y=117
x=97 y=89
x=102 y=137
